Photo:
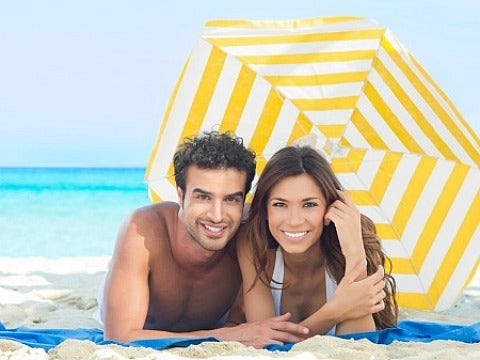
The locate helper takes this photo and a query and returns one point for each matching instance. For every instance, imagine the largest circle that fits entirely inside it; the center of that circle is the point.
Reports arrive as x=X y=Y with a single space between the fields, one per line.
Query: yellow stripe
x=334 y=103
x=367 y=131
x=460 y=118
x=414 y=301
x=302 y=127
x=203 y=96
x=386 y=232
x=298 y=38
x=413 y=110
x=413 y=192
x=278 y=24
x=317 y=79
x=355 y=157
x=154 y=197
x=340 y=165
x=456 y=250
x=339 y=56
x=438 y=214
x=166 y=116
x=432 y=101
x=384 y=174
x=238 y=99
x=266 y=122
x=362 y=198
x=403 y=266
x=391 y=119
x=332 y=131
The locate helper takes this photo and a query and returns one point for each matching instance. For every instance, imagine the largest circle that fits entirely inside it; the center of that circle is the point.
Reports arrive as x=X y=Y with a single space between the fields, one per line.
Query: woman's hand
x=346 y=217
x=360 y=298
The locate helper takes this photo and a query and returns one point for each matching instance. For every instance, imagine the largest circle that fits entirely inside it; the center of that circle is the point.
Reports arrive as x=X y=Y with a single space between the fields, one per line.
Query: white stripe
x=275 y=29
x=355 y=137
x=329 y=117
x=464 y=267
x=253 y=109
x=424 y=205
x=282 y=129
x=394 y=249
x=374 y=213
x=443 y=132
x=394 y=193
x=455 y=146
x=165 y=189
x=351 y=181
x=403 y=116
x=450 y=227
x=293 y=48
x=180 y=109
x=370 y=166
x=221 y=96
x=378 y=124
x=321 y=91
x=319 y=68
x=408 y=283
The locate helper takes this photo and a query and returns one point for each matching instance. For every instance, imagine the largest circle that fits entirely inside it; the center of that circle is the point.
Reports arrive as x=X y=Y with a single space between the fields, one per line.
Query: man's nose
x=216 y=211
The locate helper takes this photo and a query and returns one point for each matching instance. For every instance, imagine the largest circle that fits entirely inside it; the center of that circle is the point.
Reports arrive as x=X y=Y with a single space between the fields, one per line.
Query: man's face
x=212 y=205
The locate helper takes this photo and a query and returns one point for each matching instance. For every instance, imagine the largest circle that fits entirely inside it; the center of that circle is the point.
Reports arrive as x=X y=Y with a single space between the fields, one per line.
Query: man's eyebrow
x=204 y=192
x=201 y=191
x=238 y=193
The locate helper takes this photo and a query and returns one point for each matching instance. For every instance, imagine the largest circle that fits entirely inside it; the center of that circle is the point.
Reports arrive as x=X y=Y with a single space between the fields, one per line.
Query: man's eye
x=203 y=197
x=233 y=199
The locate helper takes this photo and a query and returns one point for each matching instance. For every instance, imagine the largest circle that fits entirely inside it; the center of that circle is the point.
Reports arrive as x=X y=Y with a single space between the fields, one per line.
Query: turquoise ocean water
x=57 y=212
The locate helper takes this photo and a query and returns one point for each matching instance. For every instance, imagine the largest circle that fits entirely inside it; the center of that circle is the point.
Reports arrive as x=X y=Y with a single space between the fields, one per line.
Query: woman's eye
x=279 y=204
x=310 y=204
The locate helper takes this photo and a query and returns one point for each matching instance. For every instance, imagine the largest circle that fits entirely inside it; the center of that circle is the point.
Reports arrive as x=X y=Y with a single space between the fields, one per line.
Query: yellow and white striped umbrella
x=397 y=143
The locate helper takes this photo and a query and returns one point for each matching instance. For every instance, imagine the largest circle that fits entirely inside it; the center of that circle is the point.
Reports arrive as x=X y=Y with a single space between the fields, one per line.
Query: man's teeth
x=213 y=228
x=295 y=235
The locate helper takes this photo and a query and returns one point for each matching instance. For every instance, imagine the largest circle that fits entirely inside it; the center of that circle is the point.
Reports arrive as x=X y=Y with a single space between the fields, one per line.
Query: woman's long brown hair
x=297 y=160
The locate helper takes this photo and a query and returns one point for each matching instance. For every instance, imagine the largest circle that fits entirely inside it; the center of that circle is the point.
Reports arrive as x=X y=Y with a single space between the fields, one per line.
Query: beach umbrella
x=347 y=86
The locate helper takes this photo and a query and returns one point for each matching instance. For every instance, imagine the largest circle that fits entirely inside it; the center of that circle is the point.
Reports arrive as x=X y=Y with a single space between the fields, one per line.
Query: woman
x=303 y=236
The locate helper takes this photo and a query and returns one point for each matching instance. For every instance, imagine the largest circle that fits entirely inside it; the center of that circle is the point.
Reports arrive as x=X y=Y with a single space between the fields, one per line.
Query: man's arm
x=127 y=297
x=126 y=293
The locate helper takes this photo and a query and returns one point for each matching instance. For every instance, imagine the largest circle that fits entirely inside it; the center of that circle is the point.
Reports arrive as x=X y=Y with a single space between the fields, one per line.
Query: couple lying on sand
x=305 y=261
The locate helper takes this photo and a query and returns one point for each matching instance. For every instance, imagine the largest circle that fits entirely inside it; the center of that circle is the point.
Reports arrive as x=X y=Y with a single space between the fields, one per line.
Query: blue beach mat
x=407 y=330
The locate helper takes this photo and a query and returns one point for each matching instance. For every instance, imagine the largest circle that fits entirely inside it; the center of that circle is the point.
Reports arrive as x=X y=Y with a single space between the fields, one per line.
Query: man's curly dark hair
x=214 y=150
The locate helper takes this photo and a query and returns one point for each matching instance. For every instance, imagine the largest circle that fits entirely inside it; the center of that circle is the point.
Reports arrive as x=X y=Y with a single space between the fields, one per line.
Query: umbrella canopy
x=350 y=88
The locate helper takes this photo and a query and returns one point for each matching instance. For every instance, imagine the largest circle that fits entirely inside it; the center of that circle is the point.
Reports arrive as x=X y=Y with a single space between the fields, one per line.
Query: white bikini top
x=277 y=280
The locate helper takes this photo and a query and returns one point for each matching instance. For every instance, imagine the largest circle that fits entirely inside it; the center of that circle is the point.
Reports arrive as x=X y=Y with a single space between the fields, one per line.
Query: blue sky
x=86 y=82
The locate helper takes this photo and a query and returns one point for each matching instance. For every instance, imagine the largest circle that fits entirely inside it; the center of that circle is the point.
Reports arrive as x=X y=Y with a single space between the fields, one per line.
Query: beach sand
x=61 y=293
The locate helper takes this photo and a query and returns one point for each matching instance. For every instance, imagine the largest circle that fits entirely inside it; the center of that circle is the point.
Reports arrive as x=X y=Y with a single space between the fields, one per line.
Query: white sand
x=40 y=293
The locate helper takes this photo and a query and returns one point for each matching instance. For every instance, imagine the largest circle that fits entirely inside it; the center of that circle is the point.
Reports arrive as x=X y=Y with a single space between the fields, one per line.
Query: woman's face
x=295 y=210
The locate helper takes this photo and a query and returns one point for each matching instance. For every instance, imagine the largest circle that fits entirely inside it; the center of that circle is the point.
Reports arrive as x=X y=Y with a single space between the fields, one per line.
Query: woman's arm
x=346 y=217
x=352 y=299
x=257 y=298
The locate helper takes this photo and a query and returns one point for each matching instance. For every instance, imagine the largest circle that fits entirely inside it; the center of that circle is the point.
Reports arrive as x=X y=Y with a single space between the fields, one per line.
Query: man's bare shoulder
x=167 y=210
x=158 y=219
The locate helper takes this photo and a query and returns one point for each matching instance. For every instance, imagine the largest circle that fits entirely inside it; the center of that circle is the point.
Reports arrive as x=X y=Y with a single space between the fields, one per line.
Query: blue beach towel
x=50 y=338
x=407 y=330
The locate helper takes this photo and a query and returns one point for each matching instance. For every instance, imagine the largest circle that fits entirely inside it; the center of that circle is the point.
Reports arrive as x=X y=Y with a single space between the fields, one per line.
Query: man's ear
x=180 y=195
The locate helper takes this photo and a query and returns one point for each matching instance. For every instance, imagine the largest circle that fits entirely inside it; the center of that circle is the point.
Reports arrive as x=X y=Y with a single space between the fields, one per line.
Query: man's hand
x=275 y=330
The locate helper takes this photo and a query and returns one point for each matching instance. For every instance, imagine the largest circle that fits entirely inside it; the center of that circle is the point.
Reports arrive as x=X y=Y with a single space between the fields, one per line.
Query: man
x=174 y=271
